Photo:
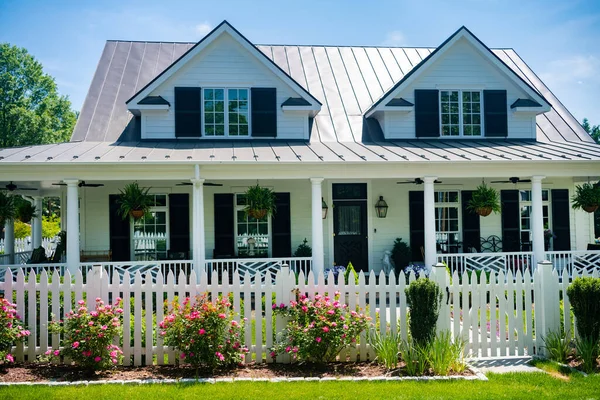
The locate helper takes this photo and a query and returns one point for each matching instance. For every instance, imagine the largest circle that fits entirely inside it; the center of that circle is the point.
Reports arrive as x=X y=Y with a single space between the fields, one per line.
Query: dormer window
x=226 y=112
x=460 y=112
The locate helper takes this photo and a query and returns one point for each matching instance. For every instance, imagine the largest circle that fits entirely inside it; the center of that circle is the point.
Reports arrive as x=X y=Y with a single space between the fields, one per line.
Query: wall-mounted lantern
x=381 y=207
x=324 y=208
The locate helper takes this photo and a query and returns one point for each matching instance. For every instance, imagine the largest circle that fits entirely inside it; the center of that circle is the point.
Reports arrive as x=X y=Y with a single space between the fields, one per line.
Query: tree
x=594 y=130
x=31 y=110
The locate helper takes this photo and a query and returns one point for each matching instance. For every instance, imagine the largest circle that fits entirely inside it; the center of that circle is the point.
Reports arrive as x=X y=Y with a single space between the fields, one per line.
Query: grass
x=509 y=386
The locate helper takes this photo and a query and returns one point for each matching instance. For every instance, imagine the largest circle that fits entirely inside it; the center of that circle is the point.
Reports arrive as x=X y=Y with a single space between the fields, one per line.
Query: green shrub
x=303 y=250
x=22 y=230
x=401 y=254
x=350 y=271
x=458 y=355
x=50 y=226
x=386 y=348
x=584 y=295
x=587 y=352
x=11 y=330
x=414 y=356
x=424 y=298
x=558 y=345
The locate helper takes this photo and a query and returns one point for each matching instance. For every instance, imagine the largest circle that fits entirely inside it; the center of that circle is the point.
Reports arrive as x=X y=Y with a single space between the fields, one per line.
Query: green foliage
x=594 y=131
x=350 y=271
x=7 y=207
x=484 y=197
x=386 y=348
x=204 y=332
x=445 y=355
x=11 y=330
x=26 y=212
x=259 y=200
x=303 y=250
x=88 y=335
x=50 y=226
x=587 y=351
x=424 y=298
x=317 y=330
x=134 y=198
x=32 y=110
x=22 y=230
x=558 y=345
x=584 y=295
x=401 y=254
x=586 y=195
x=415 y=357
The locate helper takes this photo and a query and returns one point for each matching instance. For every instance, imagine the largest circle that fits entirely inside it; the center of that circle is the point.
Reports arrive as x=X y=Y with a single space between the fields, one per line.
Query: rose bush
x=11 y=330
x=318 y=329
x=204 y=332
x=88 y=335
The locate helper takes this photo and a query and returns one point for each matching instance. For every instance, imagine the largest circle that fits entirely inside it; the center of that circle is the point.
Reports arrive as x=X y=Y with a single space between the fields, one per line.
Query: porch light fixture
x=324 y=208
x=381 y=207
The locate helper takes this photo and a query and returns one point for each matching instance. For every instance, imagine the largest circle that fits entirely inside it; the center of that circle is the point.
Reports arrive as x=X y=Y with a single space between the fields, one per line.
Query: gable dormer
x=224 y=88
x=461 y=90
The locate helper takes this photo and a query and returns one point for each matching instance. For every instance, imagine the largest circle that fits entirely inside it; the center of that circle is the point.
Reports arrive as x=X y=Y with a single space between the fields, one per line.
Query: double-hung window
x=226 y=112
x=461 y=112
x=151 y=232
x=447 y=221
x=252 y=236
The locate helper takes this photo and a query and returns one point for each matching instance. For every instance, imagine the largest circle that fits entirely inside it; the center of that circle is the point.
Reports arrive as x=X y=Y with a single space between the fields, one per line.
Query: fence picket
x=30 y=286
x=55 y=302
x=483 y=340
x=126 y=319
x=159 y=288
x=493 y=315
x=42 y=321
x=528 y=287
x=362 y=305
x=148 y=347
x=502 y=311
x=519 y=313
x=511 y=315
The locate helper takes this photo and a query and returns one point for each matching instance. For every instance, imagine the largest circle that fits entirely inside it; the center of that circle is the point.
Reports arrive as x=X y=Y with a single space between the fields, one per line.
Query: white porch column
x=429 y=212
x=36 y=224
x=72 y=225
x=318 y=253
x=198 y=238
x=537 y=219
x=9 y=240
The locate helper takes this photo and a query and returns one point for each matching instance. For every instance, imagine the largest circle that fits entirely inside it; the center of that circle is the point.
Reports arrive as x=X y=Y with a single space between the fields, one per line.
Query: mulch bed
x=45 y=372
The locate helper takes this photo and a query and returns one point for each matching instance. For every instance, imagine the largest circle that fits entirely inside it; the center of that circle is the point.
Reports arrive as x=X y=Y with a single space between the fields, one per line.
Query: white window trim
x=460 y=112
x=164 y=208
x=528 y=203
x=226 y=112
x=448 y=204
x=237 y=208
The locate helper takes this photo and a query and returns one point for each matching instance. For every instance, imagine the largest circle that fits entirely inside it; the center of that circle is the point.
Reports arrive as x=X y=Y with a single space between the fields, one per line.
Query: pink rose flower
x=318 y=340
x=97 y=358
x=325 y=329
x=10 y=358
x=201 y=331
x=222 y=316
x=75 y=345
x=56 y=352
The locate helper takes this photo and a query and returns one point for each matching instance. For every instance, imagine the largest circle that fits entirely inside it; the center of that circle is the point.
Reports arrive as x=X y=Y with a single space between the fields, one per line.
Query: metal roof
x=154 y=100
x=346 y=80
x=525 y=103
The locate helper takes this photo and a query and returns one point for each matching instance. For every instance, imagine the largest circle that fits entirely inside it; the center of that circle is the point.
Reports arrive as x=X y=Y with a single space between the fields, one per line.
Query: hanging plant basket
x=260 y=202
x=483 y=211
x=258 y=214
x=590 y=209
x=134 y=201
x=26 y=212
x=137 y=214
x=586 y=197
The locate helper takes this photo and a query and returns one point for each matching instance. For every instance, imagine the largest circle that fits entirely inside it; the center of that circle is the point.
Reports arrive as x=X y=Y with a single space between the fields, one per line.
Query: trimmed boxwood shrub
x=584 y=295
x=424 y=298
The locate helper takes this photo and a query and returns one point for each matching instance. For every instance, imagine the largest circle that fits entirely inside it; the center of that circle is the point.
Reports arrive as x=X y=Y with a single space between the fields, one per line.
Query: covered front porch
x=198 y=223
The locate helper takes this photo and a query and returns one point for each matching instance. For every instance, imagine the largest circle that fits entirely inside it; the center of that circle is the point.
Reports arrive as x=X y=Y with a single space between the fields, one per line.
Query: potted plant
x=484 y=200
x=7 y=208
x=134 y=201
x=587 y=197
x=260 y=202
x=26 y=211
x=401 y=255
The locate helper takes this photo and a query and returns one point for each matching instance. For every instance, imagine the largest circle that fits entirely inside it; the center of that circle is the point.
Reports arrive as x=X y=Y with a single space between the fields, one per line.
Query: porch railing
x=153 y=267
x=37 y=268
x=498 y=262
x=256 y=267
x=578 y=261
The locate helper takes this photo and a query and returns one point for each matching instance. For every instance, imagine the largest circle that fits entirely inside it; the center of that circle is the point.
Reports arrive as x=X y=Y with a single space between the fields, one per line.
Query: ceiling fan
x=205 y=184
x=12 y=187
x=514 y=179
x=81 y=184
x=417 y=181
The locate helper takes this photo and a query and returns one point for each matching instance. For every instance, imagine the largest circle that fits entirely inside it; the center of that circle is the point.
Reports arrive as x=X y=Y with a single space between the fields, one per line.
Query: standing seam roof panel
x=357 y=81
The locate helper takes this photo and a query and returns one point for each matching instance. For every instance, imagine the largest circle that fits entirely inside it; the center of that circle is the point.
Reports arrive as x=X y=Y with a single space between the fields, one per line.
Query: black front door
x=350 y=240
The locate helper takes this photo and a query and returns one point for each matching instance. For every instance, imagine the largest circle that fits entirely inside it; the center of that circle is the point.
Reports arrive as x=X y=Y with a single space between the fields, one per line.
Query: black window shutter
x=495 y=113
x=416 y=208
x=561 y=226
x=511 y=220
x=470 y=224
x=224 y=229
x=119 y=231
x=282 y=226
x=179 y=223
x=263 y=102
x=427 y=113
x=188 y=112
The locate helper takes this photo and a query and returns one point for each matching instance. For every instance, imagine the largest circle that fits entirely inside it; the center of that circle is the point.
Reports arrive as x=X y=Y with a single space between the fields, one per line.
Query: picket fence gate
x=511 y=301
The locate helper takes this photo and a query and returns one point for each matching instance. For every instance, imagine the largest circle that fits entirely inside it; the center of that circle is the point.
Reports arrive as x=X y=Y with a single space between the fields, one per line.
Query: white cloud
x=576 y=69
x=203 y=28
x=395 y=38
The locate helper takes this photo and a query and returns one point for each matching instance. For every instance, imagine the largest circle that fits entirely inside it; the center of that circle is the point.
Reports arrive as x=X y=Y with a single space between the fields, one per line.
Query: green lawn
x=509 y=386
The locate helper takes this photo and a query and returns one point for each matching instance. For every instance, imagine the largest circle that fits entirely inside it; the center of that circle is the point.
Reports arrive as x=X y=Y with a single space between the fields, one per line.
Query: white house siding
x=461 y=67
x=224 y=63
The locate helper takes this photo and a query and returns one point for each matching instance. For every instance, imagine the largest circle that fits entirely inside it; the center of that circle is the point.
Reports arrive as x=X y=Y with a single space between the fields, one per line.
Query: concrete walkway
x=503 y=365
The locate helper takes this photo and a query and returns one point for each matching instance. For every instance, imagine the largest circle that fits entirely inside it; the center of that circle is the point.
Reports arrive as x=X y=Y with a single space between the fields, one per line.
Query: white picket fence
x=519 y=308
x=26 y=244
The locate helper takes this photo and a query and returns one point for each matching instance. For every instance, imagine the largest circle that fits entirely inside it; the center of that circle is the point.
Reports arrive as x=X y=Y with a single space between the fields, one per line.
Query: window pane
x=244 y=130
x=219 y=130
x=219 y=94
x=233 y=130
x=161 y=200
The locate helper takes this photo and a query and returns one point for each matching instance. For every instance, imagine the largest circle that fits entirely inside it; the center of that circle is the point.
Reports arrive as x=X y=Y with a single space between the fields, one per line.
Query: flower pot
x=257 y=214
x=137 y=214
x=25 y=220
x=590 y=209
x=484 y=211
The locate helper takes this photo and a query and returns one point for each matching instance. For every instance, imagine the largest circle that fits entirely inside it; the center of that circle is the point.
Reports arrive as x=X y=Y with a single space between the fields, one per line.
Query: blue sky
x=560 y=40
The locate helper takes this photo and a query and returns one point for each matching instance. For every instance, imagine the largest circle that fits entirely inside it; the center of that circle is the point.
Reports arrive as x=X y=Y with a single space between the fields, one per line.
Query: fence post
x=93 y=286
x=440 y=276
x=547 y=313
x=283 y=293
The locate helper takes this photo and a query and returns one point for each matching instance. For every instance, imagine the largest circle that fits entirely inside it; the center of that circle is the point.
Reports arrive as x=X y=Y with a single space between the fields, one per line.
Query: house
x=332 y=130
